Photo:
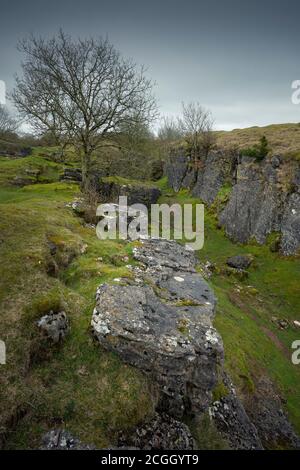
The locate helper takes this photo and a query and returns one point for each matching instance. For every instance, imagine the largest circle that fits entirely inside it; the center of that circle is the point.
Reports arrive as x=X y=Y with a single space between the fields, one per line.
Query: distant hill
x=283 y=139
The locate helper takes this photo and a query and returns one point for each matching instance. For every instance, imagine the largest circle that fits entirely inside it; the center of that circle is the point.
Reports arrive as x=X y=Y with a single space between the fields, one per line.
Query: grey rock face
x=190 y=177
x=259 y=206
x=161 y=323
x=59 y=439
x=242 y=211
x=266 y=413
x=216 y=170
x=239 y=262
x=162 y=432
x=176 y=169
x=276 y=161
x=136 y=193
x=54 y=326
x=264 y=197
x=233 y=423
x=290 y=241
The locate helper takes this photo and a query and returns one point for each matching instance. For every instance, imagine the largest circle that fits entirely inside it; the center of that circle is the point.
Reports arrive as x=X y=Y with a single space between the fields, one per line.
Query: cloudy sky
x=238 y=58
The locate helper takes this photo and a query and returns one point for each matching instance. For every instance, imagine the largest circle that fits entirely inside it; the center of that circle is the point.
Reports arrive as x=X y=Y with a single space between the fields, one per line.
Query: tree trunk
x=86 y=170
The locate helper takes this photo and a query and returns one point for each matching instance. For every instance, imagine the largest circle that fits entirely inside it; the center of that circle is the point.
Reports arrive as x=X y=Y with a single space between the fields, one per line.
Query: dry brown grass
x=284 y=139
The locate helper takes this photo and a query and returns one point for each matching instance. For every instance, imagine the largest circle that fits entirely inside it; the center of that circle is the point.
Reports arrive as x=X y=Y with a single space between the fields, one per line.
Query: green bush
x=259 y=152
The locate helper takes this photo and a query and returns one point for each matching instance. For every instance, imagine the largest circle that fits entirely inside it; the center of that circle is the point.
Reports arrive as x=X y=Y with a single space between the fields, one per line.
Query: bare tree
x=82 y=92
x=169 y=129
x=8 y=124
x=196 y=125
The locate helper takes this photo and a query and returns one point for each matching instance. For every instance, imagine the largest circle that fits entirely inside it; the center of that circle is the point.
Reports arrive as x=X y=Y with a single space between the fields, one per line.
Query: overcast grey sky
x=237 y=58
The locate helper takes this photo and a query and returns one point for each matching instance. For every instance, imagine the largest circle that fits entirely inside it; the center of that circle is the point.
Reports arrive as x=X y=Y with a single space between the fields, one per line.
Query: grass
x=31 y=169
x=283 y=139
x=76 y=385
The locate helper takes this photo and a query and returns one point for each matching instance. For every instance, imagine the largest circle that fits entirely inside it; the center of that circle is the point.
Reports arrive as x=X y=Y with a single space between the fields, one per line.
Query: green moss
x=186 y=303
x=220 y=391
x=32 y=168
x=273 y=241
x=221 y=199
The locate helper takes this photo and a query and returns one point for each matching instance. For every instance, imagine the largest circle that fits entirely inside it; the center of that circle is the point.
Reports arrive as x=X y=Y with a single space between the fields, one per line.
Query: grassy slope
x=89 y=391
x=78 y=385
x=283 y=138
x=253 y=343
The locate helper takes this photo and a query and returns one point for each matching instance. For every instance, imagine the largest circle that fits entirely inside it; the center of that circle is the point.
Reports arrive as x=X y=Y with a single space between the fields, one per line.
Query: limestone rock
x=54 y=326
x=265 y=196
x=239 y=261
x=176 y=169
x=290 y=241
x=212 y=175
x=162 y=432
x=72 y=174
x=266 y=412
x=232 y=421
x=137 y=193
x=60 y=439
x=162 y=324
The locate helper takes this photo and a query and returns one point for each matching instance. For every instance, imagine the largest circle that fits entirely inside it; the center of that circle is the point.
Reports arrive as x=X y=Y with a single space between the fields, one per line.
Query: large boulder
x=239 y=261
x=161 y=322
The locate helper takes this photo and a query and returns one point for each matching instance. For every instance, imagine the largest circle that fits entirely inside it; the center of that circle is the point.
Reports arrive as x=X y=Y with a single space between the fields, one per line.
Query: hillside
x=51 y=259
x=284 y=139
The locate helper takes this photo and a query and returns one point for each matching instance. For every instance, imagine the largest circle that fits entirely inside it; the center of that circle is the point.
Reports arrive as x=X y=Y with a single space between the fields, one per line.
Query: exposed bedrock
x=161 y=323
x=136 y=192
x=264 y=198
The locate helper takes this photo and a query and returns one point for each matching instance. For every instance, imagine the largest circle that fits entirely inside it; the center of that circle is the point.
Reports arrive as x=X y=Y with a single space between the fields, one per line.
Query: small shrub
x=259 y=152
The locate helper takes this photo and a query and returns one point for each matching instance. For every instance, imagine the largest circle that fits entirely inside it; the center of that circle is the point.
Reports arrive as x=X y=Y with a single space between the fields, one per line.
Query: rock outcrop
x=72 y=174
x=60 y=439
x=54 y=326
x=265 y=409
x=161 y=432
x=264 y=199
x=232 y=421
x=137 y=193
x=212 y=174
x=161 y=323
x=239 y=261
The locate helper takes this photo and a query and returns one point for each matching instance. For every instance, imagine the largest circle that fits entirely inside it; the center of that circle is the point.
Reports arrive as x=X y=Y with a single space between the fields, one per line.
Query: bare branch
x=196 y=125
x=81 y=91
